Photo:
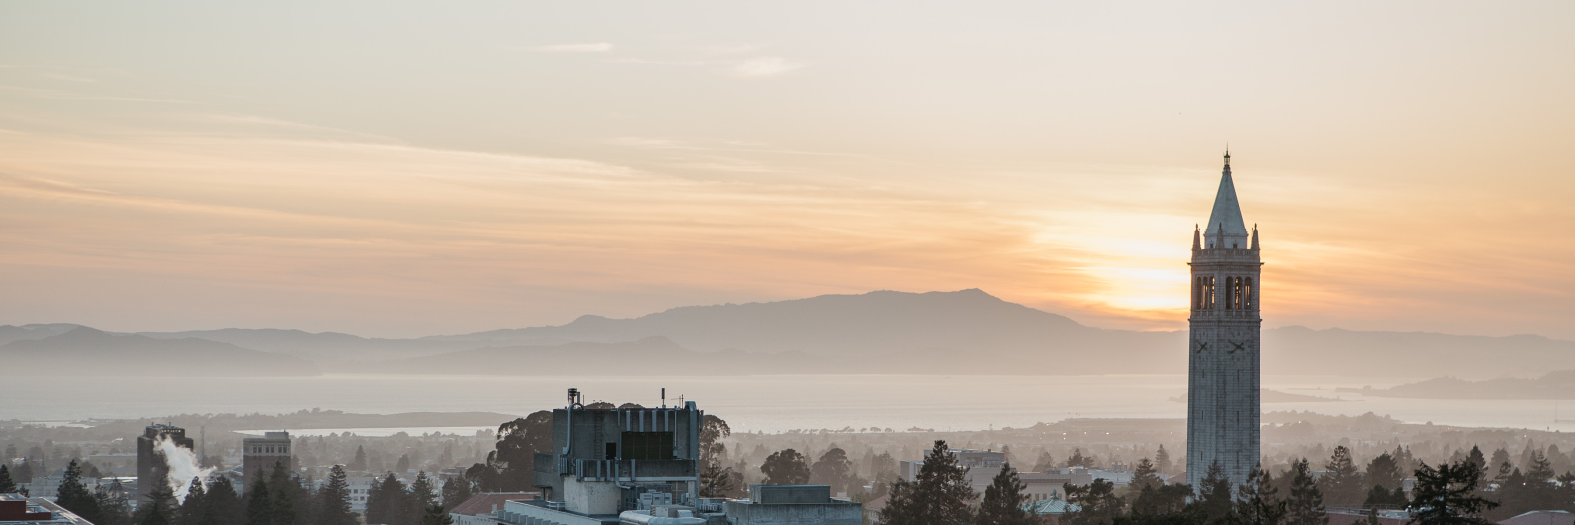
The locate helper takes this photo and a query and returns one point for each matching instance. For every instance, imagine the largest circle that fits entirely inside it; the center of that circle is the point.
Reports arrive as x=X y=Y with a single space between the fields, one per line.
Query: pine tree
x=1257 y=501
x=7 y=485
x=160 y=508
x=1305 y=504
x=1044 y=463
x=259 y=502
x=939 y=495
x=74 y=495
x=283 y=507
x=1476 y=458
x=224 y=505
x=334 y=499
x=403 y=465
x=1447 y=495
x=1144 y=475
x=455 y=491
x=1383 y=471
x=1003 y=501
x=359 y=463
x=113 y=507
x=195 y=507
x=1342 y=485
x=1097 y=503
x=424 y=492
x=389 y=503
x=1214 y=496
x=1162 y=460
x=435 y=515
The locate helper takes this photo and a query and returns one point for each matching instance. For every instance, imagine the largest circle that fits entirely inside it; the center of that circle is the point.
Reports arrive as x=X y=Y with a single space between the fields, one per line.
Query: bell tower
x=1223 y=359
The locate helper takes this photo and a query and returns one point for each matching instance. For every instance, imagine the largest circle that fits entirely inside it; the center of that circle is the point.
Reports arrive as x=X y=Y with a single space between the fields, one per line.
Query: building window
x=648 y=445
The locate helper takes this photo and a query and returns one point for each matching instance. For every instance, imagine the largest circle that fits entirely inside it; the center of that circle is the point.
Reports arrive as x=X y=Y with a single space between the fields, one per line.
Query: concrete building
x=360 y=487
x=792 y=505
x=152 y=468
x=1223 y=360
x=608 y=460
x=261 y=454
x=16 y=509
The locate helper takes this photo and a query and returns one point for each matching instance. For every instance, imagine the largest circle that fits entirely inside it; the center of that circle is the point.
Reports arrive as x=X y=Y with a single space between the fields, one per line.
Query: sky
x=400 y=169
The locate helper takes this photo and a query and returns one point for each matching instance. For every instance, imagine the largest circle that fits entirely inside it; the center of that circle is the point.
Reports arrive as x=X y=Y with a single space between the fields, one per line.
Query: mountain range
x=83 y=351
x=962 y=332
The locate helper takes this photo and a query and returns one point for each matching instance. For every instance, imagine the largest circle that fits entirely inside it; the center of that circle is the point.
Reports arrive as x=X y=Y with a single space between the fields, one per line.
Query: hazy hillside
x=323 y=347
x=963 y=332
x=83 y=351
x=1552 y=385
x=1300 y=350
x=639 y=357
x=968 y=331
x=10 y=333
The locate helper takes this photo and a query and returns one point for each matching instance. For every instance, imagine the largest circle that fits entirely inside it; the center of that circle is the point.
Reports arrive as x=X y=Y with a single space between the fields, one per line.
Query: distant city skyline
x=418 y=169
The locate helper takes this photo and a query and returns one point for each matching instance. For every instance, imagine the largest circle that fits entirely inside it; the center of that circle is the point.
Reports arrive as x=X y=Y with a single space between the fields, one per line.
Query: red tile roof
x=488 y=501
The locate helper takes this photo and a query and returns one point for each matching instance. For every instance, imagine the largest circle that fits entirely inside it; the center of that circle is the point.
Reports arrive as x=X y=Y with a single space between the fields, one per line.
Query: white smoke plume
x=183 y=465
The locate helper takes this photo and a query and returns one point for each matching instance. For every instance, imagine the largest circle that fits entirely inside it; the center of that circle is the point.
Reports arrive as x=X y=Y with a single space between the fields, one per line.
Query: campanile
x=1223 y=360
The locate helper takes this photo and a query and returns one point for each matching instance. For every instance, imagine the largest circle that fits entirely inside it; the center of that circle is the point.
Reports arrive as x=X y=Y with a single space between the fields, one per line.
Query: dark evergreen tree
x=224 y=505
x=1154 y=503
x=1003 y=501
x=1257 y=501
x=1476 y=458
x=1448 y=495
x=939 y=495
x=1097 y=503
x=334 y=500
x=1342 y=485
x=75 y=496
x=283 y=506
x=785 y=467
x=259 y=501
x=359 y=463
x=1045 y=462
x=1305 y=504
x=435 y=515
x=1384 y=470
x=424 y=491
x=1162 y=460
x=1214 y=496
x=160 y=507
x=1145 y=475
x=194 y=509
x=113 y=506
x=390 y=503
x=456 y=491
x=403 y=465
x=7 y=485
x=1380 y=498
x=1079 y=460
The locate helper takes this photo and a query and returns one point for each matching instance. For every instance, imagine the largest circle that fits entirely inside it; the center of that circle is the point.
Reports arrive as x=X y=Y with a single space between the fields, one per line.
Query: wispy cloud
x=598 y=47
x=760 y=67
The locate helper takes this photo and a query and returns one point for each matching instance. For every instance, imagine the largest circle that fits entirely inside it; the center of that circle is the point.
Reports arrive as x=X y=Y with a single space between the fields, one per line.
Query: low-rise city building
x=16 y=509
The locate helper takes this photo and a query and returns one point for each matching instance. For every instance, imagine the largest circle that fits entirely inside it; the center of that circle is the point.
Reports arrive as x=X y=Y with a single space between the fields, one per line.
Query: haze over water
x=769 y=403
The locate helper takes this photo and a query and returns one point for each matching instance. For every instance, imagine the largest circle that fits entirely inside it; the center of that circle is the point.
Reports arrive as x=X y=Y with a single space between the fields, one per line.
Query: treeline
x=278 y=498
x=1455 y=493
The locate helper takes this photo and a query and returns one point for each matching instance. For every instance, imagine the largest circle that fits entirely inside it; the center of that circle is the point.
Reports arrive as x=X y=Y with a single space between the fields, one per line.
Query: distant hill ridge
x=83 y=351
x=961 y=332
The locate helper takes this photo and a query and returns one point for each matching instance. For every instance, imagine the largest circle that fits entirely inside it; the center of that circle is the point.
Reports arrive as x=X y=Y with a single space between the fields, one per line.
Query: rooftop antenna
x=664 y=397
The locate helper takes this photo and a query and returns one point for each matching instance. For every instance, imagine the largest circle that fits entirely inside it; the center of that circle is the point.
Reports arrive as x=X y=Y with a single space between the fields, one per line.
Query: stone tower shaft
x=1223 y=378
